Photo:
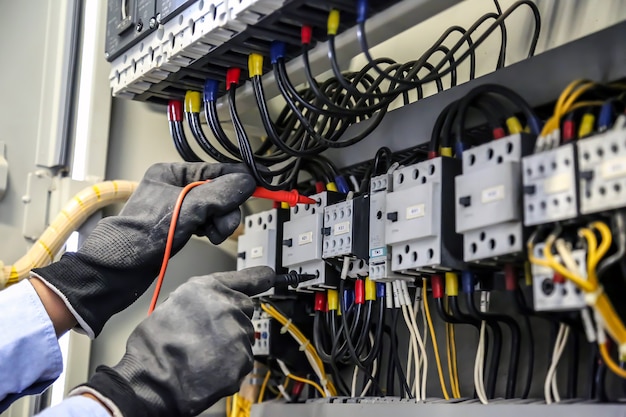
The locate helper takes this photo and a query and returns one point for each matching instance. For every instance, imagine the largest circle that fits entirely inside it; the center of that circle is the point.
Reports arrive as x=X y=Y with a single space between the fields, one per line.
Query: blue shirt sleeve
x=30 y=357
x=76 y=407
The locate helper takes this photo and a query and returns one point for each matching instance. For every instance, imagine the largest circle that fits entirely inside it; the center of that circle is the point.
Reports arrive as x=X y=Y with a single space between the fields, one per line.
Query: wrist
x=61 y=317
x=96 y=399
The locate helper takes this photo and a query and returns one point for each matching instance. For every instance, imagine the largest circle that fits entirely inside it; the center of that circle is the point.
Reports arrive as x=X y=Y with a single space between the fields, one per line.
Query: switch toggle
x=393 y=216
x=465 y=201
x=288 y=242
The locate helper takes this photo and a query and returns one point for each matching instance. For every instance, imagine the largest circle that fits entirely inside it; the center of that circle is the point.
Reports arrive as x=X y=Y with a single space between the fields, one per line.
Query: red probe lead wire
x=292 y=197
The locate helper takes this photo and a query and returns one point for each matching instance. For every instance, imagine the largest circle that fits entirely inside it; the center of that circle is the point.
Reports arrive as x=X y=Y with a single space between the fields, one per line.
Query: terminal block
x=419 y=222
x=302 y=242
x=550 y=192
x=602 y=172
x=346 y=229
x=259 y=244
x=554 y=293
x=489 y=199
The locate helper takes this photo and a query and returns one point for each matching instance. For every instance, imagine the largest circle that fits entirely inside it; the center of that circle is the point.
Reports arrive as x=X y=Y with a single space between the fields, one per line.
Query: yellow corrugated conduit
x=71 y=217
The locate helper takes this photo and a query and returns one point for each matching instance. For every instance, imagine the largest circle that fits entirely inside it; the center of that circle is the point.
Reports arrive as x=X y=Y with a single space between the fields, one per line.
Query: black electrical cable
x=181 y=144
x=383 y=153
x=193 y=120
x=246 y=150
x=395 y=315
x=502 y=56
x=497 y=22
x=573 y=359
x=523 y=309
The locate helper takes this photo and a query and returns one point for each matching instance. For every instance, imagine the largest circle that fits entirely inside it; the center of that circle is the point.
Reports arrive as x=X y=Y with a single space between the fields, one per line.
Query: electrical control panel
x=489 y=199
x=346 y=229
x=554 y=293
x=303 y=240
x=258 y=245
x=550 y=191
x=602 y=171
x=128 y=21
x=418 y=212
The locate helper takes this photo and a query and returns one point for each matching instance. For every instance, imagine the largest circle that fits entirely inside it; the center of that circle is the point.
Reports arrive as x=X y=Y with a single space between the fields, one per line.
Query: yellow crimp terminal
x=452 y=284
x=333 y=300
x=370 y=289
x=514 y=125
x=255 y=65
x=331 y=186
x=445 y=152
x=192 y=102
x=284 y=205
x=586 y=125
x=333 y=22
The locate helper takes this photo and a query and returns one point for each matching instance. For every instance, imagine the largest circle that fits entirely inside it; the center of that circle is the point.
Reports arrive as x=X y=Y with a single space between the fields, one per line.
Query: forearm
x=80 y=406
x=61 y=317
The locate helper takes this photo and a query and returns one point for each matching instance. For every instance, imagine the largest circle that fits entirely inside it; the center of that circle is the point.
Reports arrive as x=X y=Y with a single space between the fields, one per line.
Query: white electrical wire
x=355 y=377
x=423 y=358
x=479 y=364
x=412 y=339
x=374 y=369
x=550 y=389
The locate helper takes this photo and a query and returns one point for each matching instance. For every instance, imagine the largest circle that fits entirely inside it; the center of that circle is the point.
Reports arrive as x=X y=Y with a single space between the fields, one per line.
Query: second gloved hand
x=193 y=350
x=122 y=256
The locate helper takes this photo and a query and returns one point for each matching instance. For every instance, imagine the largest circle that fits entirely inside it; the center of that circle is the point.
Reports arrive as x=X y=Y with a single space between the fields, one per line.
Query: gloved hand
x=122 y=256
x=193 y=350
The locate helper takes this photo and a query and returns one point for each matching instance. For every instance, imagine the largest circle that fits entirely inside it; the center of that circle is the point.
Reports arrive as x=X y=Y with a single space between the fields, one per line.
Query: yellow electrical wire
x=608 y=360
x=302 y=340
x=431 y=328
x=264 y=386
x=451 y=355
x=565 y=102
x=556 y=266
x=455 y=367
x=308 y=382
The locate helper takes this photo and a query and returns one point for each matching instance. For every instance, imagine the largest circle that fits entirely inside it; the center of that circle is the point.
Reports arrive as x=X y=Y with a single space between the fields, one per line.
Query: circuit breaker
x=302 y=242
x=419 y=224
x=602 y=171
x=259 y=244
x=554 y=293
x=346 y=229
x=128 y=22
x=489 y=199
x=550 y=192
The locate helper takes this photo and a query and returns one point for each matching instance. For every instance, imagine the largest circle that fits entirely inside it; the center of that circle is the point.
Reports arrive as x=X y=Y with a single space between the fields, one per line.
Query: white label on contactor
x=305 y=238
x=256 y=252
x=613 y=168
x=377 y=252
x=492 y=194
x=557 y=183
x=413 y=212
x=341 y=228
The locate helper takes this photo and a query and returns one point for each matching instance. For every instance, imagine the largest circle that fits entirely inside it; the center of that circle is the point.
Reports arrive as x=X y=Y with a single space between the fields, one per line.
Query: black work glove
x=193 y=350
x=123 y=255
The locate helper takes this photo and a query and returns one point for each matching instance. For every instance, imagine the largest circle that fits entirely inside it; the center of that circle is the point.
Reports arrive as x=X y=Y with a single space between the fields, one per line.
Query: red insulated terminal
x=437 y=285
x=232 y=77
x=319 y=187
x=569 y=130
x=498 y=133
x=359 y=292
x=297 y=389
x=175 y=111
x=510 y=280
x=558 y=278
x=306 y=34
x=432 y=154
x=320 y=302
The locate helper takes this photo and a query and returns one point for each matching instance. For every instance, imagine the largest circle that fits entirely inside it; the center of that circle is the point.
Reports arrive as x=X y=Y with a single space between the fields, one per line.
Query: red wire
x=170 y=242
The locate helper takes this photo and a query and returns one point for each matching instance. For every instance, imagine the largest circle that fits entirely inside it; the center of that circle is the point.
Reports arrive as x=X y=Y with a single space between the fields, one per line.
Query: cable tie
x=304 y=345
x=591 y=297
x=285 y=328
